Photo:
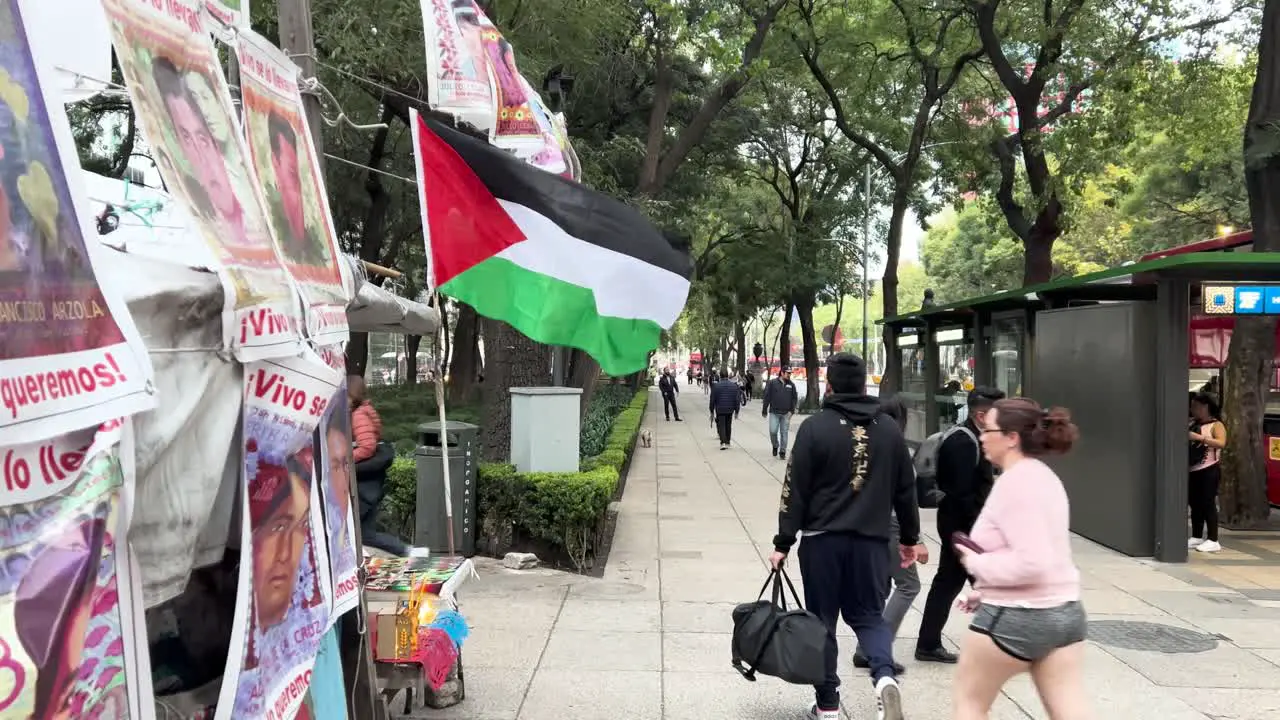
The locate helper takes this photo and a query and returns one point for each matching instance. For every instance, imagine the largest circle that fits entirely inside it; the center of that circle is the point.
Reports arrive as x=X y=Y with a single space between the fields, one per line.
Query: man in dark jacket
x=850 y=467
x=669 y=388
x=779 y=404
x=966 y=477
x=725 y=400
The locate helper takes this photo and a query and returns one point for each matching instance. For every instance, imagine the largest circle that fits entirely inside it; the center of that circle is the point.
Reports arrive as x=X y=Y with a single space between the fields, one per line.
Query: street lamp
x=866 y=234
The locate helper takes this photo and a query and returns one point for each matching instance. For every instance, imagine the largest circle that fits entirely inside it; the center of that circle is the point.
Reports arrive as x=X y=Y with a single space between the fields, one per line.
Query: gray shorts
x=1030 y=634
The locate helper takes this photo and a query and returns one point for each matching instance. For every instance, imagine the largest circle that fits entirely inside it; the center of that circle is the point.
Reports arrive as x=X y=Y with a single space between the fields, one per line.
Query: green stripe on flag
x=554 y=312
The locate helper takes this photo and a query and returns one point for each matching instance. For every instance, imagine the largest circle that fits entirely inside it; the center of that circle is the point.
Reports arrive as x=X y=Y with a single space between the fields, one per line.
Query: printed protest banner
x=182 y=101
x=232 y=13
x=282 y=609
x=326 y=700
x=337 y=475
x=285 y=160
x=456 y=59
x=70 y=356
x=550 y=156
x=68 y=620
x=516 y=129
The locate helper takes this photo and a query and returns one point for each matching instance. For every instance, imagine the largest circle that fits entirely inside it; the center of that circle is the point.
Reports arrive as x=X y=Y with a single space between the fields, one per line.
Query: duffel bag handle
x=776 y=578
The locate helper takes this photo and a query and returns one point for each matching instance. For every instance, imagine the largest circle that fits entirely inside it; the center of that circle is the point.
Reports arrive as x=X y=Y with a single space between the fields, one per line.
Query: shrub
x=400 y=499
x=404 y=407
x=599 y=417
x=564 y=510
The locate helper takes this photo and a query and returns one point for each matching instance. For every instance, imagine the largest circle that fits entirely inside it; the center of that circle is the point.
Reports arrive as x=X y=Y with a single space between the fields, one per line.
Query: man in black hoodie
x=849 y=467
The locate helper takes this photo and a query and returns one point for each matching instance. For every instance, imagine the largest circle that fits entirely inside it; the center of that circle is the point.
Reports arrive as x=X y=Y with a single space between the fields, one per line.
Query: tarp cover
x=187 y=449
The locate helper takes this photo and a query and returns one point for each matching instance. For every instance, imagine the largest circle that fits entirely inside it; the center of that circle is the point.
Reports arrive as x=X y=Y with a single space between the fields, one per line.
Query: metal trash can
x=430 y=523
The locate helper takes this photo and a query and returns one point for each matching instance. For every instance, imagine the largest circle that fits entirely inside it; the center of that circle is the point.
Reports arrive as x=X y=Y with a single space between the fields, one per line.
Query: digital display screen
x=1241 y=299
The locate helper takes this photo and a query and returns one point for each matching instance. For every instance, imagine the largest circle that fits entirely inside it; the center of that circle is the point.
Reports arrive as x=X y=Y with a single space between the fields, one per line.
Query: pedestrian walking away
x=779 y=404
x=1027 y=615
x=849 y=469
x=670 y=388
x=964 y=476
x=905 y=579
x=724 y=401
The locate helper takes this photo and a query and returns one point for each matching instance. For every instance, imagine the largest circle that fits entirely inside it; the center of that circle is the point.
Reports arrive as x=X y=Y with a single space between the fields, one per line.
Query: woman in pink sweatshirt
x=1026 y=604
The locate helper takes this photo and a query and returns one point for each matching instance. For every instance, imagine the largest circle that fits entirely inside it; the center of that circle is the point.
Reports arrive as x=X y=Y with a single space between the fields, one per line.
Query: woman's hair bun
x=1059 y=433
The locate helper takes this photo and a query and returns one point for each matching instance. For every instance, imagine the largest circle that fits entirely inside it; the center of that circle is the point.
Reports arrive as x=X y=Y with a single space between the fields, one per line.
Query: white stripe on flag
x=624 y=286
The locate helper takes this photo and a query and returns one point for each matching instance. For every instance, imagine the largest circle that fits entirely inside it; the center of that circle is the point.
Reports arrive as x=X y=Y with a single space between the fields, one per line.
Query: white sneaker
x=1208 y=546
x=888 y=699
x=817 y=714
x=1194 y=542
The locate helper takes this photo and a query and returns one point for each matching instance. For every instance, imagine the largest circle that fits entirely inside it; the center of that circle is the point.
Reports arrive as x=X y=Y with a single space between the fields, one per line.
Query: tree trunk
x=464 y=366
x=1037 y=250
x=835 y=327
x=890 y=378
x=1243 y=496
x=740 y=339
x=809 y=339
x=513 y=361
x=584 y=372
x=784 y=336
x=411 y=345
x=1243 y=493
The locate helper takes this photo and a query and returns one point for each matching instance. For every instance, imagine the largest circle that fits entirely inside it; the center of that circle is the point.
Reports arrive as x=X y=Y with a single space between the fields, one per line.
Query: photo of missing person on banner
x=288 y=615
x=50 y=302
x=199 y=156
x=302 y=241
x=337 y=492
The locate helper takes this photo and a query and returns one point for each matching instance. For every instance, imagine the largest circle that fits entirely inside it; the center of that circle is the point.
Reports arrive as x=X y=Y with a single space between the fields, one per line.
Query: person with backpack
x=904 y=578
x=963 y=477
x=849 y=469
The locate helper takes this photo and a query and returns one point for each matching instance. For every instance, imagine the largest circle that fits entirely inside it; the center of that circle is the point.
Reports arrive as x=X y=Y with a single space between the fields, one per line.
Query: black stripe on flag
x=580 y=211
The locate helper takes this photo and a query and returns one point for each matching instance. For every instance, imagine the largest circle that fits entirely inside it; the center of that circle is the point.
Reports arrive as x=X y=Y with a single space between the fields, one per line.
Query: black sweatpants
x=946 y=586
x=669 y=405
x=724 y=427
x=1202 y=496
x=846 y=575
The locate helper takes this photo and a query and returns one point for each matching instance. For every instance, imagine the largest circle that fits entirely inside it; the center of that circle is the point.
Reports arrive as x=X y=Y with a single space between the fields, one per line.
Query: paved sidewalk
x=650 y=640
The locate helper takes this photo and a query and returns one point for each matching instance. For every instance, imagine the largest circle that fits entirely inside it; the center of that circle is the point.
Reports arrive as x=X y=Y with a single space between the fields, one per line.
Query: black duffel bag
x=771 y=639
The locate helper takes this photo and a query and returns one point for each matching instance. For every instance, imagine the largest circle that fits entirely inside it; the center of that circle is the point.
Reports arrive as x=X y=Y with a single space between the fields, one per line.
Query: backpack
x=928 y=495
x=1198 y=451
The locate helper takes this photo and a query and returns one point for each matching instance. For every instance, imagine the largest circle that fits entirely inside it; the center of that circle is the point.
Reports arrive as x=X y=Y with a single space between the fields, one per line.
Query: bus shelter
x=1118 y=348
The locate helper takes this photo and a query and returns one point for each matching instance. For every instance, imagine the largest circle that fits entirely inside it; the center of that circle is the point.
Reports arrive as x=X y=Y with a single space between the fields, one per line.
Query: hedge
x=564 y=513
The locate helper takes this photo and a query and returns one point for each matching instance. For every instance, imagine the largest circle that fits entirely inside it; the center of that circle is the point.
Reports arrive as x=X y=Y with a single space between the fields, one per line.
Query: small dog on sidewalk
x=646 y=437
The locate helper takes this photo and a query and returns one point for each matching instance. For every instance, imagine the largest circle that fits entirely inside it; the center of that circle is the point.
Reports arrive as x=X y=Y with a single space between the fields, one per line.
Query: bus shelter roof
x=1135 y=281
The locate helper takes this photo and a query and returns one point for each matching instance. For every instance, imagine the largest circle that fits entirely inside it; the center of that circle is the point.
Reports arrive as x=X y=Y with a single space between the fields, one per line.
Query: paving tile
x=566 y=694
x=581 y=613
x=603 y=650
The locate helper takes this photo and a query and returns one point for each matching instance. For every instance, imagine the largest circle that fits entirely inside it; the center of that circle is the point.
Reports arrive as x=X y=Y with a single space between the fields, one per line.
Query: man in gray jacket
x=779 y=404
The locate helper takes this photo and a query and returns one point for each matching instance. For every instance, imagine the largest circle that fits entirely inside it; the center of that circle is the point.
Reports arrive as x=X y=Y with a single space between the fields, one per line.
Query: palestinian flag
x=561 y=263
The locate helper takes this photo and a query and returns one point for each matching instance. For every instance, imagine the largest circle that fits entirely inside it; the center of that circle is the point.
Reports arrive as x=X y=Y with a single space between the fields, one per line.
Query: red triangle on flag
x=463 y=222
